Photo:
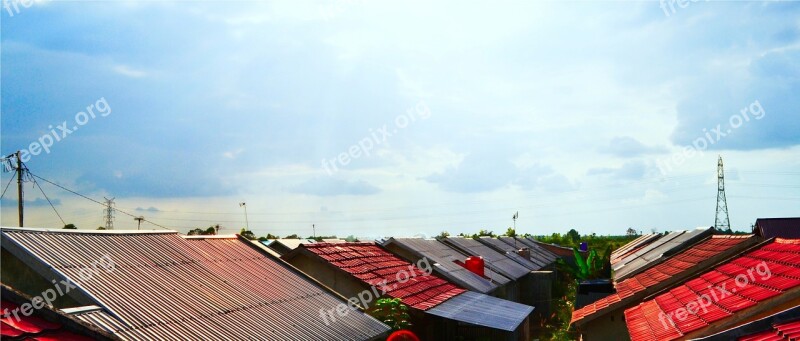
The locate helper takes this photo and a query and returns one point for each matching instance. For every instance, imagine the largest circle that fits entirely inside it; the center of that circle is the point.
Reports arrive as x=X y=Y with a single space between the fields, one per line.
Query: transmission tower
x=108 y=213
x=721 y=223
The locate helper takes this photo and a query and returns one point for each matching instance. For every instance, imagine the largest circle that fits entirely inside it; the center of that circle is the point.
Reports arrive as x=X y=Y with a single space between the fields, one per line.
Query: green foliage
x=393 y=312
x=511 y=232
x=593 y=267
x=351 y=238
x=443 y=234
x=70 y=227
x=574 y=236
x=317 y=238
x=247 y=234
x=101 y=228
x=210 y=231
x=293 y=236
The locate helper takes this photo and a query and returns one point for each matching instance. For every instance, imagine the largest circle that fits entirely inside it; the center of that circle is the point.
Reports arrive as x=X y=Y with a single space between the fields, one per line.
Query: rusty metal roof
x=164 y=286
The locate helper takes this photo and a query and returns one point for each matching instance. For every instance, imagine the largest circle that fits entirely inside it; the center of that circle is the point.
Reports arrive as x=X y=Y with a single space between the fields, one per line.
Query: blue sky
x=575 y=114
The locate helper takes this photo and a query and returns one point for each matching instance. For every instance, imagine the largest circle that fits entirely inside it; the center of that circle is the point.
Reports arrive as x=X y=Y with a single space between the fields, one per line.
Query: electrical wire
x=93 y=200
x=36 y=183
x=5 y=189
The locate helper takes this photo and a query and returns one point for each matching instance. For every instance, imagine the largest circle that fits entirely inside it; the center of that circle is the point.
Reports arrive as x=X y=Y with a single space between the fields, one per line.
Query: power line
x=8 y=184
x=48 y=200
x=93 y=200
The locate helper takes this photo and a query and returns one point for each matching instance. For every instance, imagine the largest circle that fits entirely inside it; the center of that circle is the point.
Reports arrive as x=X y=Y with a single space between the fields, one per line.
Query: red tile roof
x=32 y=327
x=783 y=331
x=372 y=265
x=662 y=272
x=660 y=318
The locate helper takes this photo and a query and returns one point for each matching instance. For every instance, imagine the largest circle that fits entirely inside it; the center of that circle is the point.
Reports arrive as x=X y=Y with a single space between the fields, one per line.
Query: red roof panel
x=727 y=290
x=662 y=272
x=783 y=331
x=372 y=265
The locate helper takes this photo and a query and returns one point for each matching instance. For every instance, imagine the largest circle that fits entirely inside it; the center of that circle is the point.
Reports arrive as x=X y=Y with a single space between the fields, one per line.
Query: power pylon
x=722 y=223
x=109 y=213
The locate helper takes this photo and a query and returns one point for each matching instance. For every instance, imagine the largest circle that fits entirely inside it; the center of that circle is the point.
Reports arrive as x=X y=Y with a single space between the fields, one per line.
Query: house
x=449 y=263
x=661 y=248
x=532 y=287
x=161 y=285
x=440 y=310
x=759 y=282
x=777 y=227
x=42 y=323
x=784 y=325
x=604 y=319
x=525 y=258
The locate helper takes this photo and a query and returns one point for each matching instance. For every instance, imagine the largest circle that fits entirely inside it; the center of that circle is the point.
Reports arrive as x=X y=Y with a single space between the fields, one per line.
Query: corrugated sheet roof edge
x=79 y=231
x=12 y=295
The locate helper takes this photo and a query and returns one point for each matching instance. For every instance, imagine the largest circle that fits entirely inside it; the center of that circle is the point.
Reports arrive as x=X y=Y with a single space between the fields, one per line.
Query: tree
x=511 y=232
x=195 y=232
x=630 y=232
x=101 y=228
x=70 y=227
x=247 y=234
x=443 y=234
x=392 y=312
x=292 y=236
x=590 y=268
x=351 y=238
x=574 y=236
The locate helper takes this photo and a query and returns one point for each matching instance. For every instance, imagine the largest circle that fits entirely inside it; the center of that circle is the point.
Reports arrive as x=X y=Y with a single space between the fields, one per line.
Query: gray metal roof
x=500 y=262
x=663 y=247
x=445 y=258
x=483 y=310
x=539 y=255
x=632 y=245
x=511 y=252
x=164 y=286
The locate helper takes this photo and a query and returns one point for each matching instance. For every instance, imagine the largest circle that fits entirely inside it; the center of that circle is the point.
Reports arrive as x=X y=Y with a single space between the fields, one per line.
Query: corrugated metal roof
x=779 y=276
x=778 y=227
x=446 y=259
x=638 y=285
x=539 y=254
x=557 y=250
x=165 y=287
x=499 y=262
x=377 y=267
x=511 y=252
x=633 y=246
x=483 y=310
x=667 y=245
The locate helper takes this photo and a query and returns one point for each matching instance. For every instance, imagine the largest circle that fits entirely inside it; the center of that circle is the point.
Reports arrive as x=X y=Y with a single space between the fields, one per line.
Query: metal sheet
x=500 y=262
x=166 y=287
x=483 y=310
x=446 y=258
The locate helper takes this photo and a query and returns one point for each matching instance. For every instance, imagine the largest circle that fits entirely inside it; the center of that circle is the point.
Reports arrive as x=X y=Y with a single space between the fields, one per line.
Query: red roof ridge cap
x=787 y=241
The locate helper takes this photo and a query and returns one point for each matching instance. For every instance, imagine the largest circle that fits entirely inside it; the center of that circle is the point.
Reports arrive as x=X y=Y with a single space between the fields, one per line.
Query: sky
x=398 y=118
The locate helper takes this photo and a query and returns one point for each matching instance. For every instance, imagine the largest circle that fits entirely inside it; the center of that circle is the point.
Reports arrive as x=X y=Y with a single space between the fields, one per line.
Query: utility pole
x=246 y=222
x=139 y=221
x=722 y=222
x=516 y=215
x=20 y=196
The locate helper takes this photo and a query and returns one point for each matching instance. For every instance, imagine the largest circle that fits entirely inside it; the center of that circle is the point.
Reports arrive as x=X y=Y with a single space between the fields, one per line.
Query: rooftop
x=770 y=272
x=164 y=286
x=447 y=260
x=662 y=247
x=630 y=288
x=372 y=264
x=500 y=262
